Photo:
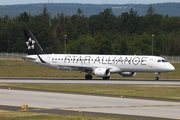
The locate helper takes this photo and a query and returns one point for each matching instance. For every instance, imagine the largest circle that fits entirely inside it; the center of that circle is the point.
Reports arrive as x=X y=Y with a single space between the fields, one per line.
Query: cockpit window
x=162 y=60
x=159 y=61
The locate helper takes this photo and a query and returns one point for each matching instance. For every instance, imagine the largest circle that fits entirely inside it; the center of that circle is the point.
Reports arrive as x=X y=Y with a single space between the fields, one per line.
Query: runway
x=82 y=81
x=75 y=103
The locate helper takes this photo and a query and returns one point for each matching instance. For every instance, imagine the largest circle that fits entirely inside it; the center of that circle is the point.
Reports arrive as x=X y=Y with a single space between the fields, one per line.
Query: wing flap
x=89 y=68
x=83 y=68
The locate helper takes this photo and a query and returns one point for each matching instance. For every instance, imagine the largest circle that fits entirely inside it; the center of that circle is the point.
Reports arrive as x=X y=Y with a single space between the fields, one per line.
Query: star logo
x=30 y=44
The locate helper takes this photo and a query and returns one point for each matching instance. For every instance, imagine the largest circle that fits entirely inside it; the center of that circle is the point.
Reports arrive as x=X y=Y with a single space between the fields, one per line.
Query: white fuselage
x=115 y=63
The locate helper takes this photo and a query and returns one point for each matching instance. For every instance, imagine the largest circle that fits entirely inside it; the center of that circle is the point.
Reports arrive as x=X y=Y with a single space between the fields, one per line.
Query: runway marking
x=143 y=106
x=70 y=108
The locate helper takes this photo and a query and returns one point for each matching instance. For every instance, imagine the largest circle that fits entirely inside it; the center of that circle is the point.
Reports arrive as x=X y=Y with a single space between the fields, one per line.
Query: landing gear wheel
x=88 y=77
x=106 y=78
x=156 y=78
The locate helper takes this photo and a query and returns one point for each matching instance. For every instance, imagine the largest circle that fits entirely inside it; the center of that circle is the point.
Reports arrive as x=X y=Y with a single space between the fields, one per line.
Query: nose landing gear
x=156 y=75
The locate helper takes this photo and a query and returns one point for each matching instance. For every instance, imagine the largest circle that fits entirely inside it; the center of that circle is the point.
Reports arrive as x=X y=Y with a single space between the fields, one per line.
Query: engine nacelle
x=128 y=74
x=101 y=72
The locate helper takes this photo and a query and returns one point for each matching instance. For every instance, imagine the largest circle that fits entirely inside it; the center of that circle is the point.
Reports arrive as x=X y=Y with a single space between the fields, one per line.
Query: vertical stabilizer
x=33 y=47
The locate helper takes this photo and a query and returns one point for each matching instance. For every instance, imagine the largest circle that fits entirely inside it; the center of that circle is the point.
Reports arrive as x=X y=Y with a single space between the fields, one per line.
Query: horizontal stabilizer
x=28 y=58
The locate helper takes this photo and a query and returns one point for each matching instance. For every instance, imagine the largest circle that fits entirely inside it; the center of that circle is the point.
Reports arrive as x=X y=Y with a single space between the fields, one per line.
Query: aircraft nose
x=170 y=67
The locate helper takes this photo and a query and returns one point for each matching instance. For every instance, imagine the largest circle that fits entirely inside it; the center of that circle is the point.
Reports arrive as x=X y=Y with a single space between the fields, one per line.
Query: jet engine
x=101 y=72
x=128 y=74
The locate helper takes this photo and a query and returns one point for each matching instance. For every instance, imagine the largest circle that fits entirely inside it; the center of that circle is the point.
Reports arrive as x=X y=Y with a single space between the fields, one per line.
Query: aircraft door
x=48 y=59
x=150 y=63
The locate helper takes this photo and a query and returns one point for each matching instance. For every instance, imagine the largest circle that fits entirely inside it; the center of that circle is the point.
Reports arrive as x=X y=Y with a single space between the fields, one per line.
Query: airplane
x=97 y=65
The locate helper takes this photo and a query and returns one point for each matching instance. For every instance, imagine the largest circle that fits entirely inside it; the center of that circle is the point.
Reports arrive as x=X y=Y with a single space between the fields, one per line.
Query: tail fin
x=33 y=47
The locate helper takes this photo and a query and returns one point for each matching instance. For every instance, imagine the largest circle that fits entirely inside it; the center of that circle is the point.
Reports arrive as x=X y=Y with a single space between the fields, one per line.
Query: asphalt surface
x=62 y=103
x=82 y=81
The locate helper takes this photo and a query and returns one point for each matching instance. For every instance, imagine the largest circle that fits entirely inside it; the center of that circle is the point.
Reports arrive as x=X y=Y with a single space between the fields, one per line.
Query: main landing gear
x=88 y=77
x=106 y=78
x=156 y=76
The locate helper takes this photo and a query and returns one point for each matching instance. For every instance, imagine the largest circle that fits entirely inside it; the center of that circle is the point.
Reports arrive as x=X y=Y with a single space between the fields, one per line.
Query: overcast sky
x=11 y=2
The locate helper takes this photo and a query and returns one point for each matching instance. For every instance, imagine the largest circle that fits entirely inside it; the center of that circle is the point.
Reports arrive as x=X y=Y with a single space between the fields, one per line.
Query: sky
x=12 y=2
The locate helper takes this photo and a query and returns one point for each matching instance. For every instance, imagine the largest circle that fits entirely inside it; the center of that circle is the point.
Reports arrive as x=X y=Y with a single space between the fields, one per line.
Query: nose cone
x=170 y=67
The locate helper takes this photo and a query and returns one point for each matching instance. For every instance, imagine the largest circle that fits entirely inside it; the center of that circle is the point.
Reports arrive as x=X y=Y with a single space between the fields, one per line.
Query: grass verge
x=160 y=92
x=22 y=115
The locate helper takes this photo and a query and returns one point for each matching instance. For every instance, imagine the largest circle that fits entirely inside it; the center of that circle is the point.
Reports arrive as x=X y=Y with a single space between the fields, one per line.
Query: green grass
x=23 y=115
x=162 y=92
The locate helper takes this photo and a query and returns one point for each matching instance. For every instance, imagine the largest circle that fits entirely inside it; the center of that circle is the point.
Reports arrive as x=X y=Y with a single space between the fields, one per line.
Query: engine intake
x=128 y=74
x=101 y=72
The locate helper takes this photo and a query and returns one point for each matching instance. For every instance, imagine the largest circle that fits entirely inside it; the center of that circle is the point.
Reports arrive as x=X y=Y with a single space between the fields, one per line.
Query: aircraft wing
x=83 y=68
x=86 y=68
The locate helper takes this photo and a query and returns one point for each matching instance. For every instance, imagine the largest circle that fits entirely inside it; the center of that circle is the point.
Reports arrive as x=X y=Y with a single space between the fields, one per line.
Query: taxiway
x=82 y=81
x=49 y=101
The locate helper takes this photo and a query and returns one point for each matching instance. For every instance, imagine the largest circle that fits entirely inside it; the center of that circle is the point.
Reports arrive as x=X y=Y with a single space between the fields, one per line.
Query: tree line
x=103 y=33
